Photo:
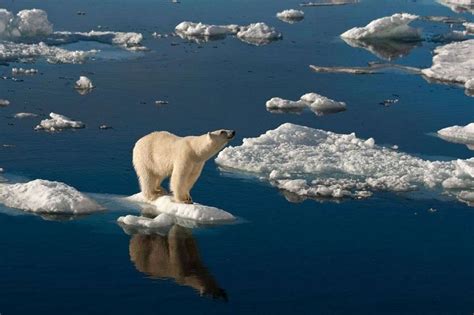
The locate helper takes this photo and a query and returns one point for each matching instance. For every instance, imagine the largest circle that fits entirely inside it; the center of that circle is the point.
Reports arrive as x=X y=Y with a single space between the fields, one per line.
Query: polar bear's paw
x=187 y=199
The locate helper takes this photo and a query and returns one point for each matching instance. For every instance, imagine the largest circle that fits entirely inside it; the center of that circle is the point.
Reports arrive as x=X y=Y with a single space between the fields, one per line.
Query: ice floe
x=459 y=6
x=43 y=196
x=469 y=27
x=21 y=71
x=26 y=23
x=193 y=211
x=391 y=27
x=316 y=163
x=190 y=29
x=11 y=51
x=371 y=68
x=459 y=134
x=162 y=220
x=30 y=35
x=256 y=33
x=127 y=40
x=59 y=122
x=328 y=3
x=4 y=103
x=319 y=104
x=290 y=16
x=84 y=83
x=24 y=115
x=453 y=63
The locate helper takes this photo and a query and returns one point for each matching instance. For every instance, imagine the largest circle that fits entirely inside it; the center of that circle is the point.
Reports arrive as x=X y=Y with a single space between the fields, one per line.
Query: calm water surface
x=384 y=255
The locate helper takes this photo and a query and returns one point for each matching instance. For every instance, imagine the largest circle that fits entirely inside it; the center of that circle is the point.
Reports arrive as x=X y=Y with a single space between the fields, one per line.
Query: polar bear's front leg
x=178 y=183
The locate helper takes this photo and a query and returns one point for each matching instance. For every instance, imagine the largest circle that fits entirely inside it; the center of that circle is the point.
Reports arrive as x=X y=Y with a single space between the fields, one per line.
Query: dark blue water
x=384 y=255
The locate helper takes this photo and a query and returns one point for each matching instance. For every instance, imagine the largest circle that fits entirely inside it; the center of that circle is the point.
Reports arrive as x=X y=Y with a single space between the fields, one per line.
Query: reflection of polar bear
x=161 y=154
x=174 y=256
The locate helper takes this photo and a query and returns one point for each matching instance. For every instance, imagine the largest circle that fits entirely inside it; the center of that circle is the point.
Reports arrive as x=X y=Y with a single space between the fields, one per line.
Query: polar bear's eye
x=222 y=132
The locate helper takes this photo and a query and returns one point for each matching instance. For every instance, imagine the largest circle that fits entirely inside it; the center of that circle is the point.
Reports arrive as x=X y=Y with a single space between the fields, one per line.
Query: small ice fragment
x=84 y=83
x=59 y=122
x=389 y=102
x=43 y=196
x=469 y=85
x=432 y=210
x=20 y=71
x=290 y=16
x=328 y=3
x=4 y=102
x=24 y=115
x=105 y=127
x=161 y=102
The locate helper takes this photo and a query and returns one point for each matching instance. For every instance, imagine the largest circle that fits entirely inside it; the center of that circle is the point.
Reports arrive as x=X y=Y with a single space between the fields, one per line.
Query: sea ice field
x=348 y=188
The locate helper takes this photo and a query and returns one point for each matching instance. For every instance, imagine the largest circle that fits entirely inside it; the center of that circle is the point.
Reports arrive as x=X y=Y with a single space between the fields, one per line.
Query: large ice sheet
x=318 y=163
x=43 y=196
x=193 y=211
x=453 y=63
x=389 y=27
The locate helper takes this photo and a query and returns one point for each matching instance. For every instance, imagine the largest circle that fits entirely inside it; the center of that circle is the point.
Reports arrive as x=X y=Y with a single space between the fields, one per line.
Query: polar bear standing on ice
x=161 y=154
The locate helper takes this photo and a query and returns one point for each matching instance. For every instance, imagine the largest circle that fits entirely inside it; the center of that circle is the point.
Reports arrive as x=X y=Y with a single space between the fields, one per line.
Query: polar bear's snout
x=230 y=134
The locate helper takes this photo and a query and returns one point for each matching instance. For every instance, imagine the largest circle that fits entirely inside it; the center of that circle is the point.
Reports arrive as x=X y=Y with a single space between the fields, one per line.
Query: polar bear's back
x=155 y=151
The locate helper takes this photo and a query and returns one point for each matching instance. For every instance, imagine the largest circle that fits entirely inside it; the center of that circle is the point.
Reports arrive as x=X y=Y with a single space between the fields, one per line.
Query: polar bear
x=161 y=154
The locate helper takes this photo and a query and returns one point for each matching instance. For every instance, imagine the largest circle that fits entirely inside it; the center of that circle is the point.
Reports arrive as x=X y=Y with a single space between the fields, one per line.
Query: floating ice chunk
x=453 y=63
x=469 y=27
x=469 y=85
x=459 y=6
x=317 y=103
x=192 y=29
x=20 y=71
x=258 y=34
x=59 y=122
x=321 y=104
x=43 y=196
x=328 y=3
x=334 y=164
x=290 y=16
x=126 y=40
x=24 y=115
x=34 y=22
x=4 y=103
x=27 y=23
x=10 y=51
x=278 y=104
x=458 y=134
x=84 y=83
x=390 y=27
x=193 y=211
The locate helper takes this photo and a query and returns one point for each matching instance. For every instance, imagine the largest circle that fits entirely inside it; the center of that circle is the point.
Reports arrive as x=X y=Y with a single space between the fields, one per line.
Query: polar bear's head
x=219 y=138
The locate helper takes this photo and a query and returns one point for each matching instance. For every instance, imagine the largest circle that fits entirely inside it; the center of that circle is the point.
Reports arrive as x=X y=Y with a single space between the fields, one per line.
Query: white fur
x=161 y=154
